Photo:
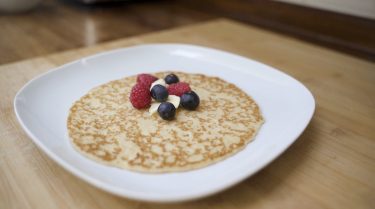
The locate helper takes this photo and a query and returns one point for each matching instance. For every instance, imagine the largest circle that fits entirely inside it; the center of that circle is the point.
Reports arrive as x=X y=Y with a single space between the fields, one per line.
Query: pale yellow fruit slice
x=175 y=100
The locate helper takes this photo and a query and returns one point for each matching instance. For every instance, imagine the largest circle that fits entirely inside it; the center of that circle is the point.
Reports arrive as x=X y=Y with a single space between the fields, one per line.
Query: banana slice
x=175 y=100
x=159 y=81
x=154 y=108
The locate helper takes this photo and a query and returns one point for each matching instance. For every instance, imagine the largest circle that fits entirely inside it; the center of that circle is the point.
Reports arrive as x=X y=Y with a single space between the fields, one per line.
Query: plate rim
x=151 y=197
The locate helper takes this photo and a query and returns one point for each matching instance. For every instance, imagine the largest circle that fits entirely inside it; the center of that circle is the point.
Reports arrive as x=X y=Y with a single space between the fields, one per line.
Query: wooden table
x=332 y=165
x=59 y=25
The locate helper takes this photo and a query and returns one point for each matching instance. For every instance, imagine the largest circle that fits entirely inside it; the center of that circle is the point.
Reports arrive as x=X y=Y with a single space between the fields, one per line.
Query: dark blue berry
x=190 y=100
x=167 y=111
x=159 y=93
x=171 y=78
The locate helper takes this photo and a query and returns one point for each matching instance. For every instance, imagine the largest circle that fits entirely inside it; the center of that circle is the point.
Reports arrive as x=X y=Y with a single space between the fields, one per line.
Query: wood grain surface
x=331 y=165
x=59 y=25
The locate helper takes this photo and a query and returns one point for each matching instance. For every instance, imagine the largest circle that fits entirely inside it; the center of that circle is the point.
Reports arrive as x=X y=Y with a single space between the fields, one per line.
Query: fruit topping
x=154 y=107
x=159 y=81
x=190 y=100
x=140 y=96
x=171 y=78
x=167 y=94
x=146 y=79
x=159 y=93
x=167 y=111
x=178 y=88
x=175 y=100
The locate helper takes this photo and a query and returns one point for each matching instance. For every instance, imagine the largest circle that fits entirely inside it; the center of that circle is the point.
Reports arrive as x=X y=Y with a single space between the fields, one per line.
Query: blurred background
x=31 y=28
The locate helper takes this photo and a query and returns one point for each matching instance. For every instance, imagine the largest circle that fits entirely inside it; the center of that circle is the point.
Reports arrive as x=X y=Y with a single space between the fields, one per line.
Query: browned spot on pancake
x=104 y=126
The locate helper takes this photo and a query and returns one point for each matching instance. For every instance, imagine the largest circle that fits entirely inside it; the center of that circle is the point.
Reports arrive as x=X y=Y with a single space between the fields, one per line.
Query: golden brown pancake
x=104 y=126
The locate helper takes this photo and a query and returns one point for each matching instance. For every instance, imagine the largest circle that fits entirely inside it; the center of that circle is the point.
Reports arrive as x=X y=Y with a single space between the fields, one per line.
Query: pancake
x=104 y=126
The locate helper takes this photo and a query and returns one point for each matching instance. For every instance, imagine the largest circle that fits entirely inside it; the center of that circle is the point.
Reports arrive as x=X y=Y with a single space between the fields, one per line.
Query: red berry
x=140 y=96
x=178 y=88
x=146 y=79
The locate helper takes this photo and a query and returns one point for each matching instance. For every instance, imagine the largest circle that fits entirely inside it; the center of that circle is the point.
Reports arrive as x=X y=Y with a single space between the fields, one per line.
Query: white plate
x=42 y=108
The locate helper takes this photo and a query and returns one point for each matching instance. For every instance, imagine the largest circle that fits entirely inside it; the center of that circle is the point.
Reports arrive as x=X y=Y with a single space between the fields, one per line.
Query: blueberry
x=171 y=78
x=159 y=93
x=190 y=100
x=167 y=110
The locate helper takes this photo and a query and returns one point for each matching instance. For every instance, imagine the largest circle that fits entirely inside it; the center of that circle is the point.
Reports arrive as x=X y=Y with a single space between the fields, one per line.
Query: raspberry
x=178 y=88
x=140 y=96
x=146 y=79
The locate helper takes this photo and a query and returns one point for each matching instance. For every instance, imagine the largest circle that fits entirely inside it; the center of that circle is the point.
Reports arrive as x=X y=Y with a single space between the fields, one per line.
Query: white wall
x=361 y=8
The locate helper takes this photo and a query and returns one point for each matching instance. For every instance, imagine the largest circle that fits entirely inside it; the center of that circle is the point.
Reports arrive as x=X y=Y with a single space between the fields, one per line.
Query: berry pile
x=169 y=93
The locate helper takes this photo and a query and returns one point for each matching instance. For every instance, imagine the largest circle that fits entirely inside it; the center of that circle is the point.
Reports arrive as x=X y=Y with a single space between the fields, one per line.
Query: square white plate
x=42 y=107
